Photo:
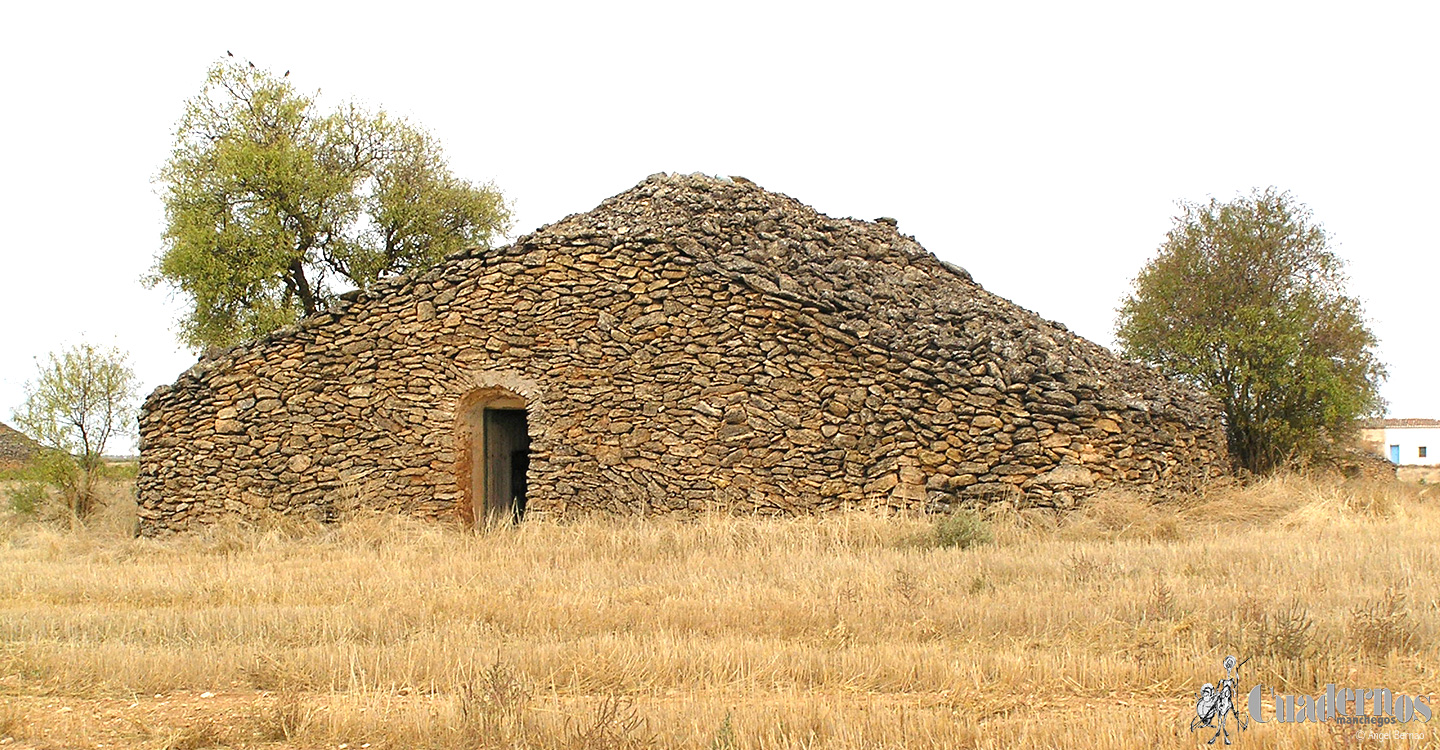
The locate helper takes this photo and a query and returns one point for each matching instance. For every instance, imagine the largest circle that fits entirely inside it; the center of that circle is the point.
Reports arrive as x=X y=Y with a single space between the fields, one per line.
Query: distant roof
x=15 y=447
x=1387 y=423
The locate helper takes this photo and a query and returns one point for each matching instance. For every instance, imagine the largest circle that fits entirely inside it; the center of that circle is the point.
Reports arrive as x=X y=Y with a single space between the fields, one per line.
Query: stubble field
x=849 y=631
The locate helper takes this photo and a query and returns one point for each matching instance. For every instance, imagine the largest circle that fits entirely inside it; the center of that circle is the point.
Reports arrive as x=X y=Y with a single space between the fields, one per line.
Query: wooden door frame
x=469 y=447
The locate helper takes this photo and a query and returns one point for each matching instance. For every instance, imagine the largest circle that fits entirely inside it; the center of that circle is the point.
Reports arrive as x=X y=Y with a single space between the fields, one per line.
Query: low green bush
x=963 y=528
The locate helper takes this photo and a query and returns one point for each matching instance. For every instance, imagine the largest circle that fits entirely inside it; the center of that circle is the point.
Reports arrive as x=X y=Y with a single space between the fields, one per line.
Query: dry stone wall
x=692 y=344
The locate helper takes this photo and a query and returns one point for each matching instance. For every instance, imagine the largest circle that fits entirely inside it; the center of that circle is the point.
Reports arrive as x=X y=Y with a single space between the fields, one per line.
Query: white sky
x=1042 y=146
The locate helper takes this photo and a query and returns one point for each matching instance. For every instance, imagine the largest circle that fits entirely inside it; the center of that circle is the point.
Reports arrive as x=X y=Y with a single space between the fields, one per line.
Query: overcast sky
x=1042 y=146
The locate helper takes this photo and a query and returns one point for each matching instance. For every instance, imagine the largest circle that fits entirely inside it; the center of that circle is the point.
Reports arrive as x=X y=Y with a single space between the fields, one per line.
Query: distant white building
x=1408 y=442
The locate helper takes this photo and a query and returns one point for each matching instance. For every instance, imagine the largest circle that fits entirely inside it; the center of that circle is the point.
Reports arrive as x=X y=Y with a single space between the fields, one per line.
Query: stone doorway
x=495 y=445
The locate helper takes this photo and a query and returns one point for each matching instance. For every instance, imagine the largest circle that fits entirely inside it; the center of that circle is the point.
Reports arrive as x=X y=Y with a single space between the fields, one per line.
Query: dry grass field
x=850 y=631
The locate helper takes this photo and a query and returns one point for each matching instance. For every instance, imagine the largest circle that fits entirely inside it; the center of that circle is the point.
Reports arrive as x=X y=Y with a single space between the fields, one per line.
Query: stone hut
x=692 y=344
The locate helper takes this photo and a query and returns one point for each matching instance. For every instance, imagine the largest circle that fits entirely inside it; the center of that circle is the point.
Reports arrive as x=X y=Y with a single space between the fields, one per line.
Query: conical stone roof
x=881 y=287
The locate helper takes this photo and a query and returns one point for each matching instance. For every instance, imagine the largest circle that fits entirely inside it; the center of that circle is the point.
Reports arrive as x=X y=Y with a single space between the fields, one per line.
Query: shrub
x=963 y=528
x=1384 y=624
x=724 y=736
x=1284 y=633
x=27 y=497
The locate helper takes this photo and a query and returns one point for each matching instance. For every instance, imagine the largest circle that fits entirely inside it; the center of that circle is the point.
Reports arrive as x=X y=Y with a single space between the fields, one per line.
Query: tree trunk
x=302 y=287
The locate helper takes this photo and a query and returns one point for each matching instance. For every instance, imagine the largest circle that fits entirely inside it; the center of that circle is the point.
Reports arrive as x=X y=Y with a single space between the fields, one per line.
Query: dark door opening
x=507 y=459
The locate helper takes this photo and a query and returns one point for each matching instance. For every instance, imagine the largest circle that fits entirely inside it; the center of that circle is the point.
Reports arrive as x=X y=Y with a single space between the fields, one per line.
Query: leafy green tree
x=1246 y=300
x=273 y=206
x=81 y=399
